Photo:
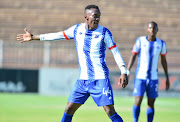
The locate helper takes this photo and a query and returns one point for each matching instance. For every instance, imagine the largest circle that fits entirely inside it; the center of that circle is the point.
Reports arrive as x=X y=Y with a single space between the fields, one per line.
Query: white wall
x=56 y=81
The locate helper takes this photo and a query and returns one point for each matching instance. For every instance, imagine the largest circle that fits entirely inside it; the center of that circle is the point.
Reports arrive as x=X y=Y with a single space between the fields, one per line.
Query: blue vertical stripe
x=102 y=53
x=161 y=44
x=110 y=34
x=86 y=49
x=151 y=50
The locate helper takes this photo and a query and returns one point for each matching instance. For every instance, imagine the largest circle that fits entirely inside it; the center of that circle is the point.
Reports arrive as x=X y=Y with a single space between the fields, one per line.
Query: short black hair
x=92 y=6
x=154 y=24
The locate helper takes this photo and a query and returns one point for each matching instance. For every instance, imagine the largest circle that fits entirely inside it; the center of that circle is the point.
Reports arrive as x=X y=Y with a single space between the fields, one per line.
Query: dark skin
x=152 y=30
x=92 y=18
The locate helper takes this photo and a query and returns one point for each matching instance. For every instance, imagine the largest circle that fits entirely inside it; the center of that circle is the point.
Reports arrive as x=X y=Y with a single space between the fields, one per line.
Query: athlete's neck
x=151 y=38
x=90 y=28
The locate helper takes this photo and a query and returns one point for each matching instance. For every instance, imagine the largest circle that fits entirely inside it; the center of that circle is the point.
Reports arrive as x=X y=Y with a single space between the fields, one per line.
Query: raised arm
x=27 y=36
x=164 y=65
x=61 y=35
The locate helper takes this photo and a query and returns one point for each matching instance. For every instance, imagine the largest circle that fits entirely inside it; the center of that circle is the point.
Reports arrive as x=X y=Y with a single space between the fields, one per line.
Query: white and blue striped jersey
x=148 y=55
x=91 y=49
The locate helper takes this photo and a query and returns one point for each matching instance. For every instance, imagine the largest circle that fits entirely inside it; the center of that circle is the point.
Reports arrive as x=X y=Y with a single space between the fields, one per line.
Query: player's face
x=92 y=18
x=152 y=30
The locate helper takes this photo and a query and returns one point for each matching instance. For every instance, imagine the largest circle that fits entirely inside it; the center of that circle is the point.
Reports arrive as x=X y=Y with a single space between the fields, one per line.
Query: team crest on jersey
x=96 y=36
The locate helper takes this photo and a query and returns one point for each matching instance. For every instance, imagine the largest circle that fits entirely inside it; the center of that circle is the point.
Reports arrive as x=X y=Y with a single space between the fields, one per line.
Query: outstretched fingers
x=27 y=36
x=19 y=37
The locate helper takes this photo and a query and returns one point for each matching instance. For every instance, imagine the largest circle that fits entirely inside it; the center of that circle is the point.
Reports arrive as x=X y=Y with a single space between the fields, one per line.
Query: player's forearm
x=119 y=60
x=164 y=65
x=131 y=61
x=51 y=36
x=48 y=36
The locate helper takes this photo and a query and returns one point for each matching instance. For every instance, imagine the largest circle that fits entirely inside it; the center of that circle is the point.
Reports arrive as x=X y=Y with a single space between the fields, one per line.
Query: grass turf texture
x=36 y=108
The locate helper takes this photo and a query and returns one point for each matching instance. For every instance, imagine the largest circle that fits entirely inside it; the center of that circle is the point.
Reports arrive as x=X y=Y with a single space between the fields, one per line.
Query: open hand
x=24 y=37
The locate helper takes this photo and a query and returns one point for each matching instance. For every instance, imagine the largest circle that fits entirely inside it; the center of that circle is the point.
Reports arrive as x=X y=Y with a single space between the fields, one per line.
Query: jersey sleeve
x=136 y=46
x=66 y=34
x=108 y=39
x=115 y=51
x=163 y=50
x=119 y=60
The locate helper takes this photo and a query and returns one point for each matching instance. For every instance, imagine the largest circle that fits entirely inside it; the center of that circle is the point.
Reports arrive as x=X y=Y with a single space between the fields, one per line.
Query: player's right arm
x=132 y=59
x=26 y=37
x=66 y=34
x=131 y=62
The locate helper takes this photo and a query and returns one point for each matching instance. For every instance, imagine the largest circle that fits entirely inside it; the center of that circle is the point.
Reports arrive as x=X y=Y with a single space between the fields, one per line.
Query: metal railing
x=33 y=55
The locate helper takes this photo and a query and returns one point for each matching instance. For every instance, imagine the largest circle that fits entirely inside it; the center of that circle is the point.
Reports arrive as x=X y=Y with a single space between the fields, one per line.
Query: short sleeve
x=136 y=46
x=163 y=50
x=108 y=39
x=69 y=33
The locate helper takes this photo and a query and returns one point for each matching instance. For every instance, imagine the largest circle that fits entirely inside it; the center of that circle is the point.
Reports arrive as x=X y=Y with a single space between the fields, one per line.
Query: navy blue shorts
x=100 y=90
x=148 y=86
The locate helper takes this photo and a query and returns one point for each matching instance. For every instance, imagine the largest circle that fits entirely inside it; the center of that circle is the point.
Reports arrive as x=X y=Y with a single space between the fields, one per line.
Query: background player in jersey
x=91 y=40
x=148 y=48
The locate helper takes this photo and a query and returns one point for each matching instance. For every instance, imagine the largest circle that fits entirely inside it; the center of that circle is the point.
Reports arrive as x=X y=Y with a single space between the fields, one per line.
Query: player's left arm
x=117 y=56
x=120 y=62
x=165 y=67
x=164 y=63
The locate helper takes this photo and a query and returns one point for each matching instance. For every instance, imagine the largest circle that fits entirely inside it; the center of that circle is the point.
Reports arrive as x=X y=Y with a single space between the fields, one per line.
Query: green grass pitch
x=35 y=108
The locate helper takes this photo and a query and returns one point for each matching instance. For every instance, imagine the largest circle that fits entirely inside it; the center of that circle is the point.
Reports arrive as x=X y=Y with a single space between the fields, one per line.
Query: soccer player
x=91 y=40
x=147 y=48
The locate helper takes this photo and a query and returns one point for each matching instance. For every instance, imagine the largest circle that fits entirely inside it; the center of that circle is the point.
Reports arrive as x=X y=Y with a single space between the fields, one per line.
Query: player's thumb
x=25 y=30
